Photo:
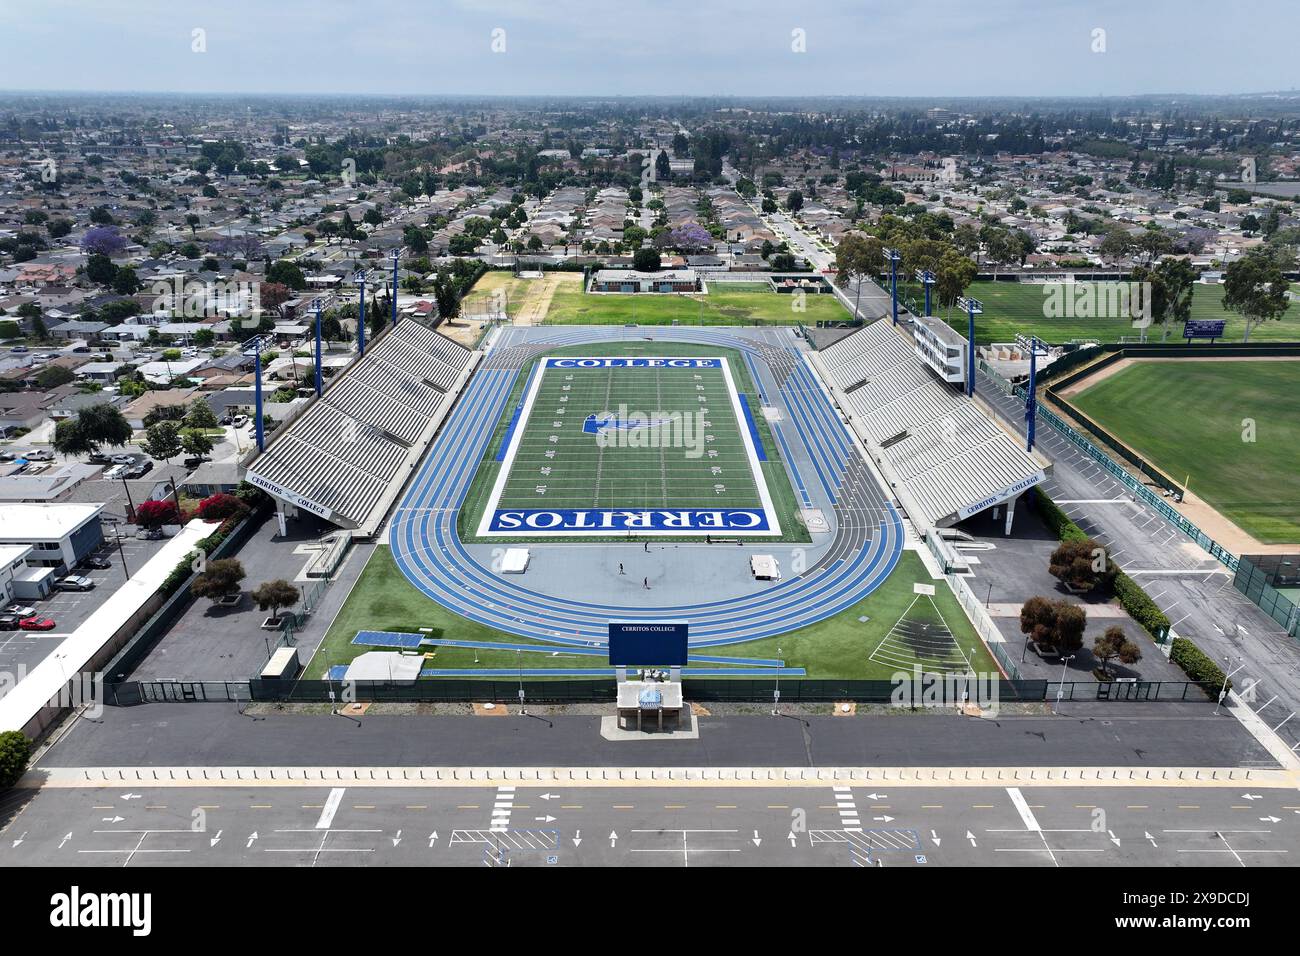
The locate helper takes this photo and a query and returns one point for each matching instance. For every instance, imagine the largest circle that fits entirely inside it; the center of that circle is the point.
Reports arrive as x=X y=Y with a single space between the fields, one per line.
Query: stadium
x=765 y=485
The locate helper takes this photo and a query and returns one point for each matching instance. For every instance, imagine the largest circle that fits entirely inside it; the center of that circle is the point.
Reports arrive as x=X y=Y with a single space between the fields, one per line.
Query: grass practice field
x=575 y=472
x=1011 y=307
x=724 y=304
x=900 y=631
x=1187 y=418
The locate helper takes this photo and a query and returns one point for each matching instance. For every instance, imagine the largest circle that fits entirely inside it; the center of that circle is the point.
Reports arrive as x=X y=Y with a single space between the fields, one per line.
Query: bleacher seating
x=342 y=452
x=932 y=437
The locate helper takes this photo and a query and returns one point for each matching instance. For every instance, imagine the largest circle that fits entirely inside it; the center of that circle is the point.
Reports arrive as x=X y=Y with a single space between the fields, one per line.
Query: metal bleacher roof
x=935 y=440
x=339 y=456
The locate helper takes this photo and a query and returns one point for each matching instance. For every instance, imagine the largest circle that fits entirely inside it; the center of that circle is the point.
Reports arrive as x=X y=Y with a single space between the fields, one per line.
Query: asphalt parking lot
x=22 y=650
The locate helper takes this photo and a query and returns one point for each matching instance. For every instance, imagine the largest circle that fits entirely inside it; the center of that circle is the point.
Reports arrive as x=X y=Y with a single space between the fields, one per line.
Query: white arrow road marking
x=613 y=838
x=132 y=796
x=757 y=838
x=433 y=838
x=970 y=836
x=877 y=796
x=546 y=819
x=550 y=796
x=251 y=837
x=398 y=838
x=1252 y=796
x=1270 y=819
x=577 y=838
x=935 y=837
x=21 y=838
x=792 y=838
x=884 y=819
x=66 y=838
x=1113 y=839
x=215 y=839
x=112 y=819
x=1148 y=835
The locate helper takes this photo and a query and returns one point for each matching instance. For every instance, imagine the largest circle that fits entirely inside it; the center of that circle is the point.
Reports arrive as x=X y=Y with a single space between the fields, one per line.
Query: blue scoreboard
x=648 y=643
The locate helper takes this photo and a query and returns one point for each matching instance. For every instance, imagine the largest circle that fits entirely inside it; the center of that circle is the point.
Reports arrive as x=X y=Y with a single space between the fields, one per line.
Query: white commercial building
x=60 y=534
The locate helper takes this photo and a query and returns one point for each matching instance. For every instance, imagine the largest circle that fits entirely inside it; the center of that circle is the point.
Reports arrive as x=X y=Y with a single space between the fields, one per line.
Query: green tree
x=646 y=260
x=52 y=376
x=1054 y=626
x=1081 y=565
x=273 y=595
x=219 y=579
x=15 y=751
x=857 y=257
x=162 y=441
x=1255 y=287
x=103 y=424
x=100 y=269
x=1114 y=644
x=196 y=443
x=199 y=414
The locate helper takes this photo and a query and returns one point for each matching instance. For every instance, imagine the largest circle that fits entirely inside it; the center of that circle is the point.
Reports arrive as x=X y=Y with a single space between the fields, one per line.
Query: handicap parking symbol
x=552 y=860
x=920 y=858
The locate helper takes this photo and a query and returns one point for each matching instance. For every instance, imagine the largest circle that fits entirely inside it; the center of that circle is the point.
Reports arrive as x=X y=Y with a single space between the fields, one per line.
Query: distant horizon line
x=265 y=94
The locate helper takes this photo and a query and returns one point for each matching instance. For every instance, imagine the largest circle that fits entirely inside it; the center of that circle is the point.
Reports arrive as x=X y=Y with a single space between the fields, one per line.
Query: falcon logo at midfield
x=607 y=421
x=624 y=429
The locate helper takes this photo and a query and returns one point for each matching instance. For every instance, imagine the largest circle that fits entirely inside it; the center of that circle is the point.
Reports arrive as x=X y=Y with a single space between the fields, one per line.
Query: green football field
x=694 y=459
x=669 y=460
x=1011 y=307
x=1193 y=419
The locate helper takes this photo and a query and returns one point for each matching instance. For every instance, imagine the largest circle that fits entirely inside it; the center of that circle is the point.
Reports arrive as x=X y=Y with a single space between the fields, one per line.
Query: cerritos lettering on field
x=596 y=521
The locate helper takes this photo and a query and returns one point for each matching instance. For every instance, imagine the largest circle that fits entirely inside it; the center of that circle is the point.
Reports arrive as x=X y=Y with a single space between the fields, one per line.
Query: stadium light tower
x=360 y=280
x=926 y=278
x=315 y=304
x=973 y=308
x=893 y=257
x=396 y=254
x=1031 y=398
x=258 y=430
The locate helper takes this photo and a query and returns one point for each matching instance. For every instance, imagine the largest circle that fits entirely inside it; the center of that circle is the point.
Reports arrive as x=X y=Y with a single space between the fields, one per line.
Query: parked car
x=39 y=454
x=150 y=534
x=20 y=349
x=74 y=582
x=8 y=622
x=97 y=561
x=98 y=458
x=239 y=421
x=20 y=610
x=140 y=468
x=37 y=624
x=117 y=471
x=123 y=459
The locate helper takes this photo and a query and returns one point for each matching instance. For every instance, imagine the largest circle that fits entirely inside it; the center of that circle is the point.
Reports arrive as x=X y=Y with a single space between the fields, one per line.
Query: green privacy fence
x=1259 y=577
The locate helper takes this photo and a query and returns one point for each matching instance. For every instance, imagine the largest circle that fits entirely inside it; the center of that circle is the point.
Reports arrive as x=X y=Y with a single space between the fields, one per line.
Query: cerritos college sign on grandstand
x=630 y=445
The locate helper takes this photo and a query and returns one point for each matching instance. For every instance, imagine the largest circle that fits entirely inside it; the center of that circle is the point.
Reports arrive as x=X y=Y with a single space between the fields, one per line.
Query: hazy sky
x=629 y=47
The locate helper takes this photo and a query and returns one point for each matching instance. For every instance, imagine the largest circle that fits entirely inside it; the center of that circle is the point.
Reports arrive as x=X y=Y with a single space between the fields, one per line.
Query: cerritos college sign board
x=1000 y=496
x=293 y=498
x=648 y=643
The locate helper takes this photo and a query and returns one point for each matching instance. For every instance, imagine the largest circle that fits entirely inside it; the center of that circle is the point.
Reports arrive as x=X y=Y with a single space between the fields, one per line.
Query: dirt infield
x=540 y=292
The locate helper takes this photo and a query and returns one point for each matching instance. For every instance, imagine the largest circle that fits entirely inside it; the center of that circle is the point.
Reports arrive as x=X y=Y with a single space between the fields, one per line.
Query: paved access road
x=651 y=826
